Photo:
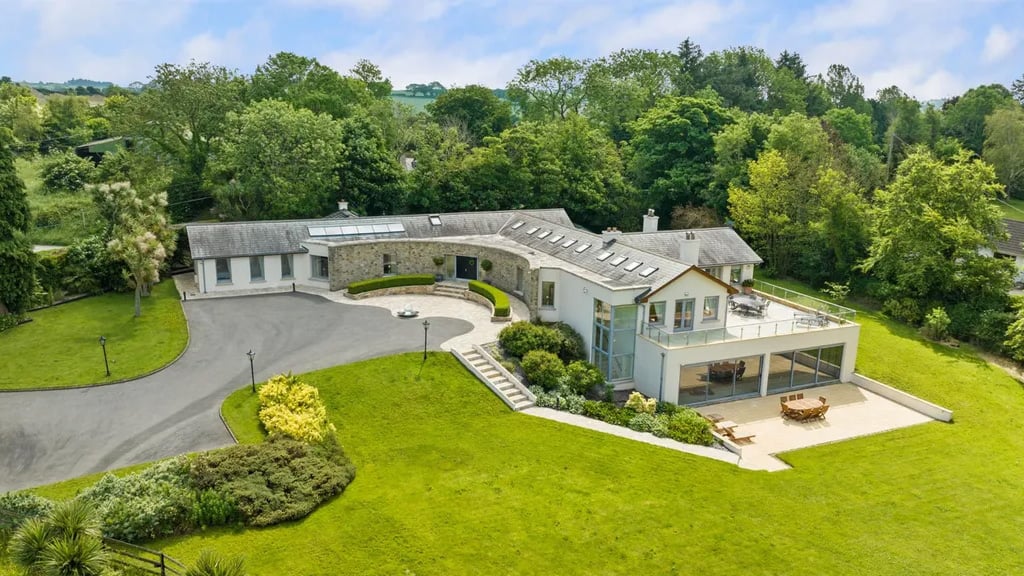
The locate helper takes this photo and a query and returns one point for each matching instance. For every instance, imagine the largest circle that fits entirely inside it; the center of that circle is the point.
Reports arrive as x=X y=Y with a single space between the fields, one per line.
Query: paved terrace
x=854 y=412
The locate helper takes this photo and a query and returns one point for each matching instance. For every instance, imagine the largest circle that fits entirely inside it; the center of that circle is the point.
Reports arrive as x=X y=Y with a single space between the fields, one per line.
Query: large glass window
x=711 y=307
x=720 y=380
x=804 y=368
x=684 y=315
x=614 y=339
x=320 y=269
x=547 y=294
x=223 y=271
x=656 y=313
x=286 y=266
x=255 y=268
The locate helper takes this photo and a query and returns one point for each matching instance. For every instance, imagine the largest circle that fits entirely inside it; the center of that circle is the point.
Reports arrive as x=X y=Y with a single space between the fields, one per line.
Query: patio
x=853 y=412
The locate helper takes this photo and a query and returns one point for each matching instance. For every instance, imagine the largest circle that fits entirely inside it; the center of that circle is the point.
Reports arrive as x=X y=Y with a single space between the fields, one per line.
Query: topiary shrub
x=686 y=425
x=66 y=172
x=543 y=369
x=294 y=409
x=582 y=377
x=502 y=307
x=519 y=338
x=390 y=282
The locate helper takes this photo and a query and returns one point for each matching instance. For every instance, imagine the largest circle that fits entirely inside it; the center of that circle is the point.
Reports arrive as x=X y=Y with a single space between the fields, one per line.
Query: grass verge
x=60 y=347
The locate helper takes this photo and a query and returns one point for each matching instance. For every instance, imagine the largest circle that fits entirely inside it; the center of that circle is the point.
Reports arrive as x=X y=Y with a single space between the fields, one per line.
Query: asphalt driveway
x=54 y=435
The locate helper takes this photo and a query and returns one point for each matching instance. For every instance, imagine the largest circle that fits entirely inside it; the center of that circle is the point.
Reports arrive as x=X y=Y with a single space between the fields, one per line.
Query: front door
x=465 y=267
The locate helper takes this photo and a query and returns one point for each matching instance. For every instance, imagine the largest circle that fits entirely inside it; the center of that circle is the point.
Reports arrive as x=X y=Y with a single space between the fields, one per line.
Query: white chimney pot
x=342 y=204
x=650 y=221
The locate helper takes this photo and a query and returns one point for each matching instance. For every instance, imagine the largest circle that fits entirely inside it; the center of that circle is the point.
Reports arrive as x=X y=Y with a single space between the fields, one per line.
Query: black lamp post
x=103 y=343
x=252 y=371
x=426 y=326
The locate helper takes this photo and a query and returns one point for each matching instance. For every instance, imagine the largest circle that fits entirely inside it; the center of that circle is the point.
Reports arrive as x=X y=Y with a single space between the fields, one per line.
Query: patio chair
x=822 y=400
x=822 y=411
x=792 y=397
x=740 y=436
x=800 y=396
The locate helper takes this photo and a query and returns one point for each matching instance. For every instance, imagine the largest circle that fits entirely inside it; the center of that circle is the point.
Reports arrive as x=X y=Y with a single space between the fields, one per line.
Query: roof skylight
x=568 y=243
x=582 y=248
x=518 y=225
x=632 y=266
x=556 y=238
x=618 y=260
x=648 y=271
x=604 y=256
x=544 y=234
x=435 y=220
x=532 y=230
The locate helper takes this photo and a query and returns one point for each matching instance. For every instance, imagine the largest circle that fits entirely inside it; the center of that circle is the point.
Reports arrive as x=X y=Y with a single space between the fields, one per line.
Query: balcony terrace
x=786 y=312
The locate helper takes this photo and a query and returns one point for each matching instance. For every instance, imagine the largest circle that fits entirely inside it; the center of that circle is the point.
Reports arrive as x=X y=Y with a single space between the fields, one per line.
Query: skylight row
x=354 y=230
x=618 y=260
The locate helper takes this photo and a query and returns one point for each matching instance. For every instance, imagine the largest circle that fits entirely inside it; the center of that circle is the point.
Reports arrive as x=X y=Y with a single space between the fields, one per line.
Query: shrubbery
x=936 y=324
x=276 y=481
x=390 y=282
x=543 y=369
x=66 y=172
x=641 y=404
x=518 y=338
x=502 y=307
x=294 y=409
x=582 y=377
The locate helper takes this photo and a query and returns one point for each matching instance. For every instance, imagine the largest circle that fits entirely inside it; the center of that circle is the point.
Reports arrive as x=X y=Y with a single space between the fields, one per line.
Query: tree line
x=882 y=193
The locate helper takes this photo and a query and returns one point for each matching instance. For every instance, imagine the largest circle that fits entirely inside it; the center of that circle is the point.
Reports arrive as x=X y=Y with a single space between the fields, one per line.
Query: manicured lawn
x=60 y=347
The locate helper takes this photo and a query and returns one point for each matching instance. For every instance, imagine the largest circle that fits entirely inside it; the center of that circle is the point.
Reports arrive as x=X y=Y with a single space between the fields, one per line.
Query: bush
x=645 y=422
x=904 y=309
x=543 y=369
x=666 y=408
x=991 y=328
x=158 y=501
x=213 y=508
x=18 y=507
x=276 y=481
x=640 y=403
x=65 y=172
x=686 y=425
x=582 y=377
x=519 y=338
x=936 y=324
x=294 y=409
x=390 y=282
x=502 y=307
x=571 y=347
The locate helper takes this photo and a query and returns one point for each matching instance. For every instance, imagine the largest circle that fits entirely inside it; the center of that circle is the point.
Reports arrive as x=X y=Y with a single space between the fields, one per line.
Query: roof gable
x=729 y=289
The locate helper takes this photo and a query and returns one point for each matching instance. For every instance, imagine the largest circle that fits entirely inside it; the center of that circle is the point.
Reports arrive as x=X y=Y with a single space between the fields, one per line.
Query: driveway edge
x=188 y=342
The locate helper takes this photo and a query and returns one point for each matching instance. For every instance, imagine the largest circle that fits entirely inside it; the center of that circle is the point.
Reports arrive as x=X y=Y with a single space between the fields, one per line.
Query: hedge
x=502 y=307
x=390 y=282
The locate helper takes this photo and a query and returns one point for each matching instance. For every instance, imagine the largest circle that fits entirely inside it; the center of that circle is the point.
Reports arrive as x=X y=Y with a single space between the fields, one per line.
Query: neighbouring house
x=97 y=148
x=1011 y=248
x=657 y=309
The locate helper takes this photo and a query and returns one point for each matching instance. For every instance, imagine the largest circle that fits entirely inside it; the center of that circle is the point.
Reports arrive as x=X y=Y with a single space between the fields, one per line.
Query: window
x=568 y=243
x=632 y=266
x=532 y=230
x=648 y=271
x=319 y=267
x=715 y=271
x=223 y=271
x=582 y=248
x=618 y=260
x=547 y=294
x=711 y=307
x=518 y=225
x=286 y=266
x=556 y=238
x=435 y=220
x=656 y=313
x=604 y=256
x=255 y=268
x=389 y=264
x=735 y=274
x=544 y=234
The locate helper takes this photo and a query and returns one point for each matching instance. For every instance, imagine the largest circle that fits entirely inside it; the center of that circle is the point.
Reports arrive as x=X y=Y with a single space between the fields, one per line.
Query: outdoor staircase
x=450 y=289
x=496 y=377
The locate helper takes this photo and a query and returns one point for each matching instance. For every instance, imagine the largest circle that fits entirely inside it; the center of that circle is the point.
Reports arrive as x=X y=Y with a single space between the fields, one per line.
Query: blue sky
x=930 y=48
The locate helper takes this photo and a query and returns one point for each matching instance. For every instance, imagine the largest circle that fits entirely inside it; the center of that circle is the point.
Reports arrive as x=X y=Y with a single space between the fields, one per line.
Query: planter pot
x=748 y=290
x=439 y=277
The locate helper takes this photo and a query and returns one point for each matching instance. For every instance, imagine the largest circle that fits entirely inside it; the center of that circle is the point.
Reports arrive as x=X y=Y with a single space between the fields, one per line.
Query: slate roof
x=231 y=239
x=616 y=276
x=1012 y=245
x=718 y=246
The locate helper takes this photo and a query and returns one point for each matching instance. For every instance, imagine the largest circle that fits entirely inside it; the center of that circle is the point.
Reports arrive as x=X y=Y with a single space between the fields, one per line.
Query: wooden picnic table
x=804 y=408
x=803 y=404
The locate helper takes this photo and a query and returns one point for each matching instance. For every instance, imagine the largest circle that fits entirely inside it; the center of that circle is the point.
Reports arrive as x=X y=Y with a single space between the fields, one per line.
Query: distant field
x=1013 y=208
x=417 y=102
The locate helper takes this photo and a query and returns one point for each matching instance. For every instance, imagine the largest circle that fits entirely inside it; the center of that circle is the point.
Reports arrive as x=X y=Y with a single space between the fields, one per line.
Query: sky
x=929 y=48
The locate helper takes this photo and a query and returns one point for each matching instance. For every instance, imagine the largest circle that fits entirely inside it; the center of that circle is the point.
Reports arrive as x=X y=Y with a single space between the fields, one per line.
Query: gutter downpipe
x=661 y=380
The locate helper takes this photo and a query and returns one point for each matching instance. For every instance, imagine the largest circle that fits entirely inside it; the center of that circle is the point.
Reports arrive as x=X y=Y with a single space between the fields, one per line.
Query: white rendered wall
x=206 y=273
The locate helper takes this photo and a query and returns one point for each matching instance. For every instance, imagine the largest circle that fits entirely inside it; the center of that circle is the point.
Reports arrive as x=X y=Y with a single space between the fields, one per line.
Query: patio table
x=802 y=408
x=749 y=303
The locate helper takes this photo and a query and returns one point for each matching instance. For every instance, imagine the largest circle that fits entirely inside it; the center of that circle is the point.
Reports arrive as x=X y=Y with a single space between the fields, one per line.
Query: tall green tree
x=845 y=89
x=473 y=108
x=671 y=154
x=371 y=75
x=278 y=162
x=852 y=127
x=623 y=85
x=735 y=147
x=180 y=118
x=763 y=209
x=549 y=89
x=688 y=77
x=928 y=225
x=368 y=173
x=436 y=184
x=965 y=119
x=17 y=262
x=1004 y=147
x=64 y=123
x=1017 y=89
x=742 y=76
x=306 y=83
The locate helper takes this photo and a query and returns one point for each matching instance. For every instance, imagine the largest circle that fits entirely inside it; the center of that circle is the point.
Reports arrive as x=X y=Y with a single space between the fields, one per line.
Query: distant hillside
x=419 y=101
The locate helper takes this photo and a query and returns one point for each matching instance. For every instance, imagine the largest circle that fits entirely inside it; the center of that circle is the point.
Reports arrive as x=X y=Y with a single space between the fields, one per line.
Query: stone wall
x=359 y=261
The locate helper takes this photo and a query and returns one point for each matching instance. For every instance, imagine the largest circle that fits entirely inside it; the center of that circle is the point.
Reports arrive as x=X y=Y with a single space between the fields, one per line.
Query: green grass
x=60 y=347
x=1013 y=208
x=418 y=103
x=59 y=219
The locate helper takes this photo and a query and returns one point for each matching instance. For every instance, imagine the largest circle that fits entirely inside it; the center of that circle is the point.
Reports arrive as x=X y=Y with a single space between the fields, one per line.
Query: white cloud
x=855 y=53
x=423 y=63
x=998 y=44
x=240 y=47
x=363 y=7
x=666 y=26
x=920 y=81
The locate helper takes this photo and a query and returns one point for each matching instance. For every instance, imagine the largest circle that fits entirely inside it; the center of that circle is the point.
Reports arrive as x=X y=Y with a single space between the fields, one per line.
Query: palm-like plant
x=73 y=556
x=66 y=542
x=75 y=519
x=211 y=564
x=29 y=542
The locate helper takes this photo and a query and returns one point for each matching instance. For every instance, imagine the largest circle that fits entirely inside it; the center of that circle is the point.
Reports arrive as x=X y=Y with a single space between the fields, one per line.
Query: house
x=657 y=310
x=97 y=148
x=1011 y=248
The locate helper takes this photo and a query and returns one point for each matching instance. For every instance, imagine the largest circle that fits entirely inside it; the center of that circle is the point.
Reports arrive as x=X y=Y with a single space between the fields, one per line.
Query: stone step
x=480 y=362
x=490 y=373
x=522 y=405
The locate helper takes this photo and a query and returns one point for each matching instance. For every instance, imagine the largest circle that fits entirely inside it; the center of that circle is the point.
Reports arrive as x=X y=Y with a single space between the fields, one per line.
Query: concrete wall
x=676 y=357
x=900 y=397
x=206 y=273
x=361 y=260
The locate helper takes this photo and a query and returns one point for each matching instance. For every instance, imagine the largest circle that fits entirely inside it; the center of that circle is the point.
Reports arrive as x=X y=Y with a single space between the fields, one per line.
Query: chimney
x=342 y=205
x=650 y=221
x=689 y=249
x=610 y=235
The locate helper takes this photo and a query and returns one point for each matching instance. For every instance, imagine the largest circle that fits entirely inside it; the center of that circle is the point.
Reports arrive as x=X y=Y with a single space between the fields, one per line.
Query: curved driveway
x=53 y=435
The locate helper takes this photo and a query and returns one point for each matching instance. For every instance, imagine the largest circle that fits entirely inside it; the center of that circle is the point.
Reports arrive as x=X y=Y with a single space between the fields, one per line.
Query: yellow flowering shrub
x=638 y=402
x=294 y=409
